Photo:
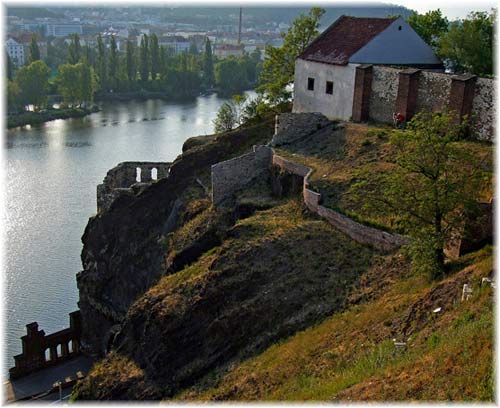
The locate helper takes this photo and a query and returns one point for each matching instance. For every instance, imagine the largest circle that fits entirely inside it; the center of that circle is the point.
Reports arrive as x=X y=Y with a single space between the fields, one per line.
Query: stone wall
x=483 y=109
x=433 y=91
x=384 y=93
x=40 y=350
x=120 y=180
x=232 y=175
x=290 y=127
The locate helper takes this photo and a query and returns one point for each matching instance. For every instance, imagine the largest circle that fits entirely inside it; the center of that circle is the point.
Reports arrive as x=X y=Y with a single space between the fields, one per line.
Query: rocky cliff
x=123 y=247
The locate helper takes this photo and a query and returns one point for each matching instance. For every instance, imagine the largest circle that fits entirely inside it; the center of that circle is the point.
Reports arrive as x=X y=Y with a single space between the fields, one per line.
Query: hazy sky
x=451 y=9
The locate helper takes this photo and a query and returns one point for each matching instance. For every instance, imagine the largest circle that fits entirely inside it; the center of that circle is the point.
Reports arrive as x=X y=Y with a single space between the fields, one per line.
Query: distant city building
x=63 y=30
x=15 y=52
x=176 y=43
x=228 y=50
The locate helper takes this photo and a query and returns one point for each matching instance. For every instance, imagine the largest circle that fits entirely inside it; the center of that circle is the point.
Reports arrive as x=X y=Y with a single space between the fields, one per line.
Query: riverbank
x=34 y=118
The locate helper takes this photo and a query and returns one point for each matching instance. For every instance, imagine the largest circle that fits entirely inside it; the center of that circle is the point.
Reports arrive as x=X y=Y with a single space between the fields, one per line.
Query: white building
x=176 y=43
x=325 y=71
x=63 y=30
x=15 y=51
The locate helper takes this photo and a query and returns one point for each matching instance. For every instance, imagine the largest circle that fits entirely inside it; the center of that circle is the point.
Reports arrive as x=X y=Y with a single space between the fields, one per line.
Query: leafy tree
x=10 y=67
x=14 y=102
x=231 y=76
x=131 y=65
x=113 y=64
x=434 y=180
x=208 y=65
x=230 y=114
x=101 y=64
x=430 y=26
x=155 y=56
x=33 y=81
x=34 y=51
x=76 y=83
x=193 y=49
x=74 y=49
x=468 y=45
x=144 y=59
x=279 y=63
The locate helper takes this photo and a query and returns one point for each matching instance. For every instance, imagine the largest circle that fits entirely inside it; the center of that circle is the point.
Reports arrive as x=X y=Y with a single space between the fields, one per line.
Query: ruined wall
x=231 y=175
x=483 y=109
x=384 y=93
x=119 y=179
x=290 y=127
x=433 y=91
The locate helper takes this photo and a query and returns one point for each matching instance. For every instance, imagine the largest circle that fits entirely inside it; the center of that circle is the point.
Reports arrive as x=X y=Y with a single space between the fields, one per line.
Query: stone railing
x=121 y=178
x=41 y=351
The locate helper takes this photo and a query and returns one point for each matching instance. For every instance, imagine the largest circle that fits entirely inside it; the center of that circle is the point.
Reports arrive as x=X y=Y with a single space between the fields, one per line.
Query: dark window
x=400 y=28
x=310 y=84
x=329 y=87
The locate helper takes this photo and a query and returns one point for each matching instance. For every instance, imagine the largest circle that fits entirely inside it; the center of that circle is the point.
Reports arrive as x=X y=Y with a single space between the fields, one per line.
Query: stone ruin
x=129 y=178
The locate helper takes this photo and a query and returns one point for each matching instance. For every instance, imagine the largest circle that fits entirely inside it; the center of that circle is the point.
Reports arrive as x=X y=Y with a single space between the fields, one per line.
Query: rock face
x=122 y=252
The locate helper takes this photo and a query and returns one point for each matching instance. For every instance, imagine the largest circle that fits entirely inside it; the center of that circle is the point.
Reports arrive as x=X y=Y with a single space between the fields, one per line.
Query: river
x=52 y=171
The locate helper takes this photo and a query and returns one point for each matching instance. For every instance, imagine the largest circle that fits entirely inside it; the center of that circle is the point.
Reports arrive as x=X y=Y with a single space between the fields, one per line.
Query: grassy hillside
x=351 y=356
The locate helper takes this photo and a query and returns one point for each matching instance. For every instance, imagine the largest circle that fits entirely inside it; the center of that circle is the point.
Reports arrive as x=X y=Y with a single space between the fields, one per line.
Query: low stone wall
x=232 y=175
x=41 y=351
x=290 y=127
x=363 y=234
x=120 y=179
x=483 y=109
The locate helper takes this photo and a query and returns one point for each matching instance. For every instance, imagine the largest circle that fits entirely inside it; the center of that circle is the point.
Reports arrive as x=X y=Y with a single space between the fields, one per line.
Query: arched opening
x=70 y=346
x=154 y=173
x=47 y=354
x=138 y=174
x=59 y=350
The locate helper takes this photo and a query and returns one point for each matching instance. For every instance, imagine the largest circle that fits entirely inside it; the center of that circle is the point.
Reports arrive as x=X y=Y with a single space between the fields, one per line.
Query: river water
x=52 y=171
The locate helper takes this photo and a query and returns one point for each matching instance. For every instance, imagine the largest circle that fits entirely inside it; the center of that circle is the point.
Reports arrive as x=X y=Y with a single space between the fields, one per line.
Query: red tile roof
x=344 y=38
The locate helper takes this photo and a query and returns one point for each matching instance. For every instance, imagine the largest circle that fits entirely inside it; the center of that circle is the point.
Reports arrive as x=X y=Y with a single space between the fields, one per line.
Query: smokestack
x=239 y=28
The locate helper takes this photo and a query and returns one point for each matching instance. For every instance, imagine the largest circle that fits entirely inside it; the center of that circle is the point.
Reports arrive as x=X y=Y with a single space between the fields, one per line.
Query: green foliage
x=434 y=180
x=231 y=75
x=208 y=65
x=468 y=45
x=130 y=62
x=226 y=118
x=10 y=67
x=14 y=102
x=33 y=81
x=74 y=49
x=430 y=26
x=155 y=56
x=101 y=64
x=279 y=63
x=144 y=66
x=113 y=64
x=34 y=51
x=76 y=83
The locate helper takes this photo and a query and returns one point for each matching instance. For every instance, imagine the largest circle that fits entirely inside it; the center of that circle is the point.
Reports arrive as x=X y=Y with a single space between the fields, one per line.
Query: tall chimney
x=239 y=28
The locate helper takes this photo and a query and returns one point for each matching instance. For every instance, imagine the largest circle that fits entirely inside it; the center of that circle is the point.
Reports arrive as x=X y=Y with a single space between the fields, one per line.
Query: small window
x=310 y=84
x=400 y=28
x=329 y=87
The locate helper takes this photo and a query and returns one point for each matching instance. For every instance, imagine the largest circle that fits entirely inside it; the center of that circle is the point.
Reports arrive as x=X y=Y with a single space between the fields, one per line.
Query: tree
x=76 y=83
x=14 y=102
x=131 y=66
x=155 y=56
x=279 y=63
x=208 y=65
x=144 y=59
x=10 y=68
x=34 y=51
x=468 y=45
x=113 y=64
x=101 y=64
x=434 y=180
x=230 y=114
x=430 y=26
x=33 y=81
x=231 y=76
x=74 y=49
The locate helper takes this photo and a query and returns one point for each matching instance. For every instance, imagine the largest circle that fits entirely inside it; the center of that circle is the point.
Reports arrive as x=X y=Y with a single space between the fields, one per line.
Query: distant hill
x=31 y=12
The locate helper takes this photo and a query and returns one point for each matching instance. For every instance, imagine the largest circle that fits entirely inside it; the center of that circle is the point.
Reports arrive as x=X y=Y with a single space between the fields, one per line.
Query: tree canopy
x=33 y=81
x=279 y=63
x=430 y=26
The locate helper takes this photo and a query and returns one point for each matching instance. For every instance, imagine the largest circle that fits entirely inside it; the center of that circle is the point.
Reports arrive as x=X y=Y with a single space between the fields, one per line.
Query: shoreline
x=36 y=118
